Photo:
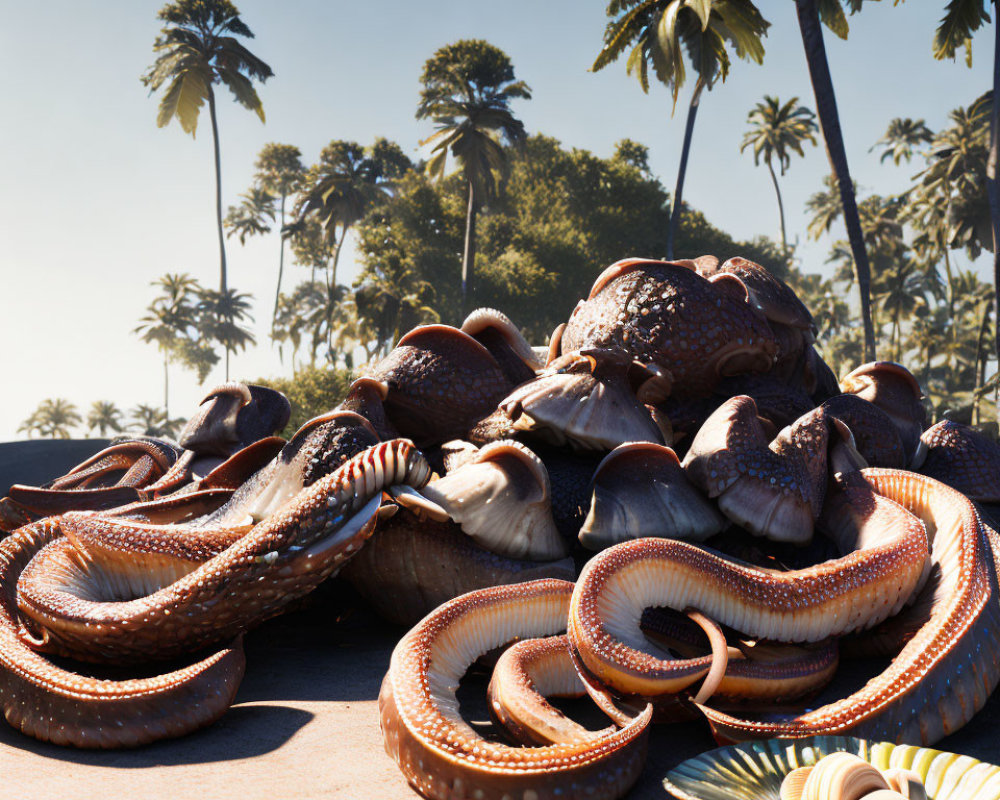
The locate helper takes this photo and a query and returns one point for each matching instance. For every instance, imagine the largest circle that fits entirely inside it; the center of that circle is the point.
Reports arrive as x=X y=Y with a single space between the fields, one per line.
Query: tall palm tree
x=220 y=315
x=294 y=313
x=962 y=19
x=899 y=291
x=168 y=319
x=467 y=90
x=345 y=185
x=197 y=49
x=826 y=104
x=53 y=419
x=660 y=32
x=776 y=129
x=279 y=172
x=251 y=216
x=901 y=137
x=151 y=421
x=104 y=416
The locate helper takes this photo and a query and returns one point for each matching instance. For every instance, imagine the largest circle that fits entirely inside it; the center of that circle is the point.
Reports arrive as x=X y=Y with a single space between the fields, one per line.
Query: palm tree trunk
x=991 y=174
x=336 y=258
x=469 y=251
x=677 y=200
x=166 y=385
x=781 y=210
x=227 y=364
x=281 y=265
x=223 y=283
x=982 y=356
x=826 y=105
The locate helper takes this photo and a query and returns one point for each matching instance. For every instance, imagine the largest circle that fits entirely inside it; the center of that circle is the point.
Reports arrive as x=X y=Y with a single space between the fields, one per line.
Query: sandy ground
x=305 y=725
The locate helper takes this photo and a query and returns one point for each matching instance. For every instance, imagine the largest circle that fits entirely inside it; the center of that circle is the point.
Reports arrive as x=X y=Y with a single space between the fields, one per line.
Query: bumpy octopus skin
x=126 y=602
x=442 y=757
x=666 y=313
x=51 y=703
x=438 y=382
x=410 y=566
x=946 y=671
x=524 y=676
x=963 y=458
x=774 y=490
x=854 y=592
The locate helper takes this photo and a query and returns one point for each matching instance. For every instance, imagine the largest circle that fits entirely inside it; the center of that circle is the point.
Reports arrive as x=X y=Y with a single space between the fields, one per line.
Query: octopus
x=673 y=508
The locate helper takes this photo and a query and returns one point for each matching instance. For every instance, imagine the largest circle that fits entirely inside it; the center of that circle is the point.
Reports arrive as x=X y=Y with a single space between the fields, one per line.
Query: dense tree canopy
x=565 y=215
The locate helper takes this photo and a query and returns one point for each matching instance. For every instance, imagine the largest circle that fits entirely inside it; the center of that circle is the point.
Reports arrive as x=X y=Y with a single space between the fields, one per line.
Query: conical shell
x=842 y=776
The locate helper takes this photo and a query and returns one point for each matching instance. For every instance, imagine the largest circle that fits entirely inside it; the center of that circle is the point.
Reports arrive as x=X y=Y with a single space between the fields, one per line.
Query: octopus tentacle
x=53 y=704
x=442 y=757
x=278 y=560
x=856 y=591
x=945 y=672
x=524 y=676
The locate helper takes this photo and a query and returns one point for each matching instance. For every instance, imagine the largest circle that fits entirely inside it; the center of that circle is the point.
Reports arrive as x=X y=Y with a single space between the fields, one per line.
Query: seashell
x=794 y=783
x=755 y=770
x=842 y=776
x=906 y=782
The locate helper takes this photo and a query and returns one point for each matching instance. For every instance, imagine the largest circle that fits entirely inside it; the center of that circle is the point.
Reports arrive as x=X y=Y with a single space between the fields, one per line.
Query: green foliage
x=901 y=137
x=662 y=32
x=311 y=391
x=566 y=215
x=346 y=184
x=251 y=216
x=148 y=420
x=196 y=50
x=954 y=178
x=220 y=315
x=467 y=90
x=777 y=130
x=52 y=419
x=962 y=18
x=279 y=169
x=173 y=323
x=104 y=416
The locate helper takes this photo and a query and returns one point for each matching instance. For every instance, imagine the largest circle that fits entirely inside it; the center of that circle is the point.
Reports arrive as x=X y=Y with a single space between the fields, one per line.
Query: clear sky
x=97 y=201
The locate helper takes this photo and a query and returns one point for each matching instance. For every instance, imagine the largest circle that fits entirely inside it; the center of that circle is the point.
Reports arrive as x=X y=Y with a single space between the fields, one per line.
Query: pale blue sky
x=98 y=201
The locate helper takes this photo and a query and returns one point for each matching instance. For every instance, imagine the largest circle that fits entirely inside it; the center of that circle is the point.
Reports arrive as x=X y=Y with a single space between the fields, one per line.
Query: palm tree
x=150 y=421
x=776 y=130
x=220 y=315
x=899 y=292
x=345 y=185
x=168 y=319
x=279 y=172
x=826 y=104
x=197 y=49
x=825 y=207
x=962 y=19
x=294 y=312
x=52 y=419
x=251 y=216
x=104 y=416
x=901 y=137
x=660 y=32
x=467 y=90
